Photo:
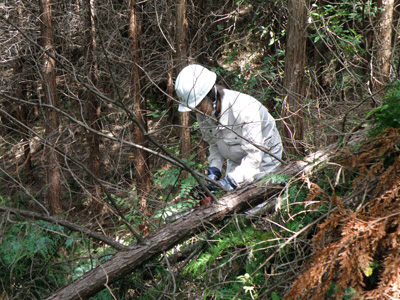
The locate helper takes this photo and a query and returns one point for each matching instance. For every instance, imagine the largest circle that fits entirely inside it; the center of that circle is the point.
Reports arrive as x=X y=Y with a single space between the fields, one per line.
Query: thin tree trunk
x=170 y=82
x=93 y=106
x=182 y=58
x=141 y=160
x=383 y=46
x=52 y=122
x=293 y=82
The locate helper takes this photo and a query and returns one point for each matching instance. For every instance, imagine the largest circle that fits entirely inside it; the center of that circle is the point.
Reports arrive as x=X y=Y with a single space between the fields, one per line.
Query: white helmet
x=192 y=85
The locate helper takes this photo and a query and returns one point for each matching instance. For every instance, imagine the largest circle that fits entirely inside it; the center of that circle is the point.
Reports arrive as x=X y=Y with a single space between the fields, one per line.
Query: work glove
x=227 y=182
x=214 y=173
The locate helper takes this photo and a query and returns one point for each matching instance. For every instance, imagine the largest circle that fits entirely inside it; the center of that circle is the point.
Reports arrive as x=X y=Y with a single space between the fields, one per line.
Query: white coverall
x=243 y=122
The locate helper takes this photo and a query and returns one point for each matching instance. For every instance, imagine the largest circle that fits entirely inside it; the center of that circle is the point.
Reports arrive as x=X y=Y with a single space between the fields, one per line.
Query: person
x=238 y=128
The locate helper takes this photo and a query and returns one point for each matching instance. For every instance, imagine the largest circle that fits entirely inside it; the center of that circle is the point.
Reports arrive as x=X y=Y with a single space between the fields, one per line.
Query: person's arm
x=252 y=132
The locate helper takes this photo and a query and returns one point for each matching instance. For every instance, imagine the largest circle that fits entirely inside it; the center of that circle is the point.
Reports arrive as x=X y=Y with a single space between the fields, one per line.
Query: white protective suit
x=243 y=123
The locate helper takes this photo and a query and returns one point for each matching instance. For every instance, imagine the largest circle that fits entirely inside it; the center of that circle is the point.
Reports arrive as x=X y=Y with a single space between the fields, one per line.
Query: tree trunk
x=52 y=122
x=93 y=106
x=293 y=82
x=382 y=46
x=141 y=160
x=182 y=56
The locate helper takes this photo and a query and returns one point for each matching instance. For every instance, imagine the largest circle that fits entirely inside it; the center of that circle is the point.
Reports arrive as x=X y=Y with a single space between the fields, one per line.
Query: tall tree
x=182 y=56
x=294 y=83
x=93 y=105
x=50 y=96
x=141 y=160
x=382 y=45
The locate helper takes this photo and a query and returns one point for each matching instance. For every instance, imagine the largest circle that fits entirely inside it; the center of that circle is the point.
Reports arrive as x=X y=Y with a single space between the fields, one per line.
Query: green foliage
x=337 y=24
x=387 y=115
x=27 y=252
x=274 y=179
x=174 y=208
x=32 y=258
x=171 y=180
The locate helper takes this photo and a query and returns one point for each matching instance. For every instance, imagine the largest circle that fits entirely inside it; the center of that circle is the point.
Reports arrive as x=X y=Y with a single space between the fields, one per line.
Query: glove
x=214 y=173
x=229 y=183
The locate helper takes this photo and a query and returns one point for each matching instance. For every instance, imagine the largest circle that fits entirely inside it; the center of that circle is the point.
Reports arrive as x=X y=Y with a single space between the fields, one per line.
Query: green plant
x=388 y=114
x=338 y=24
x=27 y=253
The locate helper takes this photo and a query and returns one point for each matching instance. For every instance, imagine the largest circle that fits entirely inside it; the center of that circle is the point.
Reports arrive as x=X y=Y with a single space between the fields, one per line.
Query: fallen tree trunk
x=124 y=262
x=163 y=239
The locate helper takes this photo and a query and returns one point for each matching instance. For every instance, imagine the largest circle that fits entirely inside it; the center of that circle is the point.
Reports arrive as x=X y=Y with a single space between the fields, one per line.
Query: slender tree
x=182 y=56
x=382 y=45
x=93 y=105
x=141 y=160
x=52 y=121
x=294 y=83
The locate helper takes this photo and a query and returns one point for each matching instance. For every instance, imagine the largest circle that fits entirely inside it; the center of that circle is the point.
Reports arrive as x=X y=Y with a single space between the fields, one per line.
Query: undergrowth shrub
x=27 y=253
x=388 y=114
x=34 y=258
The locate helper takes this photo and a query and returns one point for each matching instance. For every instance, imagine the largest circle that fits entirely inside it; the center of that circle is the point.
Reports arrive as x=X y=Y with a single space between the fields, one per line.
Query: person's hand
x=229 y=183
x=214 y=173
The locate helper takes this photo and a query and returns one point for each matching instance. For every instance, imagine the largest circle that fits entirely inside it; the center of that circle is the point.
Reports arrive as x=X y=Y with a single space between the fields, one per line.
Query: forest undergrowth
x=355 y=252
x=333 y=232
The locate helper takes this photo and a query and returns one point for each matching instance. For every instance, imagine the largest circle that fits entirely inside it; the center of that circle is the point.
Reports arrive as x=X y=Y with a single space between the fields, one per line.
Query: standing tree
x=52 y=121
x=382 y=45
x=294 y=83
x=93 y=105
x=182 y=56
x=142 y=175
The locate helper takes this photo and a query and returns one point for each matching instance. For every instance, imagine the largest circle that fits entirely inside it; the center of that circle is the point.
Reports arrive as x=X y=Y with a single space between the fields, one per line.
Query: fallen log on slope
x=163 y=239
x=124 y=262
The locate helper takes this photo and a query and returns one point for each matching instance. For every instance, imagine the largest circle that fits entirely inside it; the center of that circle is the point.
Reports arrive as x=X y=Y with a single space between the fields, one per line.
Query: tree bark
x=382 y=46
x=141 y=159
x=93 y=107
x=293 y=82
x=52 y=122
x=182 y=57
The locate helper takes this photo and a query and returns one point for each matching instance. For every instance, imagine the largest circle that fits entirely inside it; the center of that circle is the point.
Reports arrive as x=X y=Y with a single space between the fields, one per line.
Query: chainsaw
x=196 y=193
